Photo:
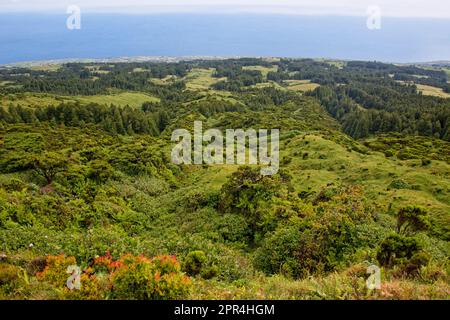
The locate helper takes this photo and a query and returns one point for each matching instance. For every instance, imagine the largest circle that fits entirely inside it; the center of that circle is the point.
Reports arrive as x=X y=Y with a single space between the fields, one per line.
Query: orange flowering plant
x=130 y=277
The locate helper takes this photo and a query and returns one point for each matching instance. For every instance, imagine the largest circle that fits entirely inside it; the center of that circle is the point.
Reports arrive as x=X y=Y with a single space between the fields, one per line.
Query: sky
x=389 y=8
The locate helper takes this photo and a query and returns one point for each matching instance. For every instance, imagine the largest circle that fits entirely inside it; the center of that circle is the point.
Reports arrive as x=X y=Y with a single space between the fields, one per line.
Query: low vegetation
x=87 y=186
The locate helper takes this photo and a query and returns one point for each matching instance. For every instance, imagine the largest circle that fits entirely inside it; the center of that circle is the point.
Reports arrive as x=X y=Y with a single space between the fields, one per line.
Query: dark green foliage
x=259 y=199
x=100 y=170
x=16 y=149
x=279 y=253
x=367 y=100
x=125 y=121
x=412 y=219
x=399 y=184
x=320 y=242
x=49 y=164
x=233 y=228
x=397 y=249
x=410 y=147
x=413 y=265
x=194 y=262
x=76 y=78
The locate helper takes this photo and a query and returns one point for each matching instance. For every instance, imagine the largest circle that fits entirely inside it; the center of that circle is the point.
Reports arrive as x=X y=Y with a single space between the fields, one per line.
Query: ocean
x=29 y=37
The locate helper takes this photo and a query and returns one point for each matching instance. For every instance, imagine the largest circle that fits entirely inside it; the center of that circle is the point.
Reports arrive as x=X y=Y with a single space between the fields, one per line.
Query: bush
x=233 y=228
x=399 y=184
x=319 y=242
x=396 y=249
x=14 y=184
x=277 y=253
x=55 y=271
x=411 y=219
x=194 y=262
x=286 y=160
x=413 y=265
x=100 y=170
x=259 y=199
x=56 y=274
x=139 y=278
x=406 y=155
x=130 y=277
x=9 y=276
x=389 y=153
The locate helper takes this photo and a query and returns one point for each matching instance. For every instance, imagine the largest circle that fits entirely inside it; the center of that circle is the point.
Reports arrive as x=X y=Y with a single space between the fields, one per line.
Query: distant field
x=6 y=83
x=338 y=64
x=420 y=76
x=101 y=72
x=264 y=70
x=33 y=99
x=96 y=70
x=139 y=70
x=447 y=70
x=432 y=91
x=47 y=67
x=301 y=85
x=164 y=81
x=268 y=84
x=201 y=79
x=133 y=99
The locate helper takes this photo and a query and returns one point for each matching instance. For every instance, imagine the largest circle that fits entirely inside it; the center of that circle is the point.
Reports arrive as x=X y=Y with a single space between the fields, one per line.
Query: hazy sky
x=397 y=8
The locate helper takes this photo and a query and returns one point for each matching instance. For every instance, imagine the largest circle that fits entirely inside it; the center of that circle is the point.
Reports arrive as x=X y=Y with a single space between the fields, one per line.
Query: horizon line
x=285 y=12
x=144 y=59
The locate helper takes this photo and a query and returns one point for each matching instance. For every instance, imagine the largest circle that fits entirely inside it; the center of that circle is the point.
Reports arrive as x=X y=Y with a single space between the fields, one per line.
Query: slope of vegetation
x=86 y=179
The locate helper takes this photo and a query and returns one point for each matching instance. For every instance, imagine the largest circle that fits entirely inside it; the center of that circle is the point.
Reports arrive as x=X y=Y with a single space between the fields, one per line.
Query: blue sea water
x=27 y=37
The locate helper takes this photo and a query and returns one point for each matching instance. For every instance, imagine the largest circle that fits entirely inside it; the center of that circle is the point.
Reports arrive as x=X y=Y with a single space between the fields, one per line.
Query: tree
x=412 y=219
x=397 y=249
x=100 y=170
x=49 y=164
x=163 y=120
x=260 y=199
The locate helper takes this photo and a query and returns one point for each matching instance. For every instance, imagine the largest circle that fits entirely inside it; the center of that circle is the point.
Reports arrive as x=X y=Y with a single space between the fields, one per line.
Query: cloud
x=395 y=8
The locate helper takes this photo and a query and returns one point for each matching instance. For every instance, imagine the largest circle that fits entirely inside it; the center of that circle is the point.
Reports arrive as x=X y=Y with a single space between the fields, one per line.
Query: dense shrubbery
x=262 y=200
x=320 y=241
x=130 y=277
x=148 y=279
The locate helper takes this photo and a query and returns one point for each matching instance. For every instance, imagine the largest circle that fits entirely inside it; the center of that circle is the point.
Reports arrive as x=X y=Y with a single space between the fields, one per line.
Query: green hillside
x=86 y=179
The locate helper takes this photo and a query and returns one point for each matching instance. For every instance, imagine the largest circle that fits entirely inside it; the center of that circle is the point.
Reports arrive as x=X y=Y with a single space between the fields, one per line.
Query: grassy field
x=330 y=163
x=164 y=81
x=33 y=100
x=301 y=85
x=47 y=67
x=432 y=91
x=336 y=63
x=201 y=79
x=264 y=70
x=447 y=70
x=6 y=83
x=133 y=99
x=268 y=84
x=219 y=95
x=139 y=70
x=95 y=70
